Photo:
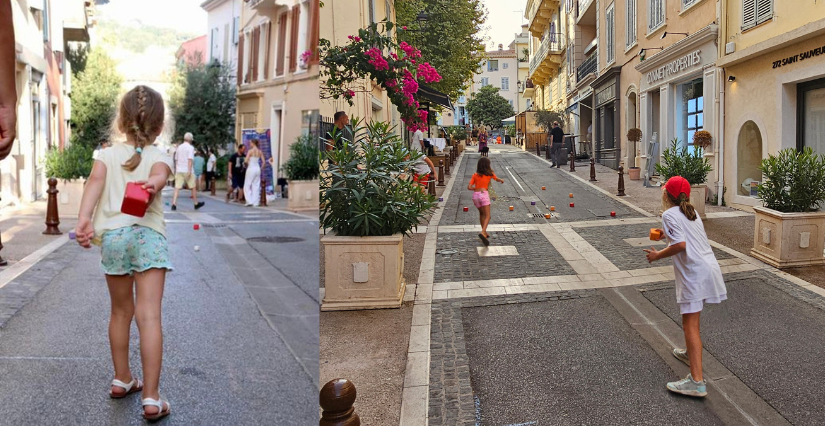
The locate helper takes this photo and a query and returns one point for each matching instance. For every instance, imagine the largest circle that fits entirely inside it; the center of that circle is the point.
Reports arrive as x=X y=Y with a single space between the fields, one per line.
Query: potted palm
x=70 y=167
x=369 y=203
x=790 y=228
x=302 y=172
x=634 y=135
x=691 y=165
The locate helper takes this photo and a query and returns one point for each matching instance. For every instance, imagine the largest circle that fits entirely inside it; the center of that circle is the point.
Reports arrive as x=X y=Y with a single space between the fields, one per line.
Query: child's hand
x=652 y=254
x=661 y=234
x=149 y=188
x=84 y=232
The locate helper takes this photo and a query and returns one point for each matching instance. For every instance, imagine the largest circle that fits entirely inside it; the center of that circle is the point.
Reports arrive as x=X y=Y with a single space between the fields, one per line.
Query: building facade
x=277 y=79
x=499 y=69
x=223 y=36
x=192 y=52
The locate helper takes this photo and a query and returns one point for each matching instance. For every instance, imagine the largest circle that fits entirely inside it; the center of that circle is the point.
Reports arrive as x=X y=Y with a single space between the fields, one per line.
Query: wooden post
x=621 y=182
x=440 y=172
x=3 y=262
x=447 y=166
x=538 y=149
x=52 y=216
x=572 y=162
x=431 y=187
x=263 y=192
x=213 y=184
x=336 y=399
x=593 y=170
x=547 y=153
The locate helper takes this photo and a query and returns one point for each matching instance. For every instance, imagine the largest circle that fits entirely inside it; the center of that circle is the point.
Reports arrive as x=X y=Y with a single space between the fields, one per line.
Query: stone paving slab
x=770 y=333
x=537 y=257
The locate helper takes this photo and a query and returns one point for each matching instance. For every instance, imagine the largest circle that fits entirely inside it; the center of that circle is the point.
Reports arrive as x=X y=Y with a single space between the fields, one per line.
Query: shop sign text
x=799 y=57
x=677 y=66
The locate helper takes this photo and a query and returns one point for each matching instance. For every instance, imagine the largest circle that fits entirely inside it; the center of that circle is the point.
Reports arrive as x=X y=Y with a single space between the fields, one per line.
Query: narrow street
x=240 y=326
x=563 y=321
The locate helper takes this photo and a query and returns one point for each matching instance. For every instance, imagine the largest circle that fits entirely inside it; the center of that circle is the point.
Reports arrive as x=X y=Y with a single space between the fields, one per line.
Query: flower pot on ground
x=691 y=165
x=70 y=167
x=369 y=202
x=302 y=174
x=790 y=228
x=634 y=173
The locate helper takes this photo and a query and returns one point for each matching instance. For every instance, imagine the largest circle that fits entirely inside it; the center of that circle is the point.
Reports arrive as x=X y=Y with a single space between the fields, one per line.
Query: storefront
x=678 y=93
x=607 y=128
x=776 y=100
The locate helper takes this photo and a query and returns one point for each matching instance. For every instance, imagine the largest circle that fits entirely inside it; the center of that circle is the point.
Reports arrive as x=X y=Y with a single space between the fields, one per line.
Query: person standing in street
x=341 y=121
x=556 y=140
x=184 y=173
x=482 y=142
x=252 y=185
x=198 y=165
x=417 y=142
x=698 y=276
x=211 y=162
x=237 y=173
x=134 y=250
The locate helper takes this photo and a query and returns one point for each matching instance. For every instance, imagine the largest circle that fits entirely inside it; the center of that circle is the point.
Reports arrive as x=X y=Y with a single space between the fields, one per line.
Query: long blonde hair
x=141 y=115
x=683 y=202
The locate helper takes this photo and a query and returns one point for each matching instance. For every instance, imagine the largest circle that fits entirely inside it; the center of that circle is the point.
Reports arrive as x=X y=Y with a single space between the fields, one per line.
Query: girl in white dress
x=252 y=183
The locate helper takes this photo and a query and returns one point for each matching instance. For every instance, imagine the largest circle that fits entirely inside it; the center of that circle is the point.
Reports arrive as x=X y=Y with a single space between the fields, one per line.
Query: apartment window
x=45 y=20
x=505 y=83
x=236 y=33
x=611 y=33
x=504 y=65
x=687 y=3
x=511 y=102
x=656 y=14
x=215 y=45
x=372 y=11
x=571 y=51
x=630 y=37
x=293 y=37
x=755 y=12
x=225 y=56
x=485 y=81
x=280 y=53
x=492 y=65
x=462 y=99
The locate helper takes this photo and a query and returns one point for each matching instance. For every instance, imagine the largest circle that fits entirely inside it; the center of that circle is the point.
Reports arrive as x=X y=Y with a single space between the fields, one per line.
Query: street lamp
x=642 y=53
x=423 y=19
x=666 y=33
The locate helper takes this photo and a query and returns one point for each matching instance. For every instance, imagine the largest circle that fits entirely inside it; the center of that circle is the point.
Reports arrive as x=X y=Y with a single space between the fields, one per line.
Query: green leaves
x=303 y=159
x=74 y=162
x=367 y=188
x=546 y=117
x=693 y=166
x=94 y=96
x=203 y=103
x=488 y=107
x=794 y=181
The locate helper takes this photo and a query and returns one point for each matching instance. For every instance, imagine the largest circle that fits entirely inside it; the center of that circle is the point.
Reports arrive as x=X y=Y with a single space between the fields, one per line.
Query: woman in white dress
x=252 y=183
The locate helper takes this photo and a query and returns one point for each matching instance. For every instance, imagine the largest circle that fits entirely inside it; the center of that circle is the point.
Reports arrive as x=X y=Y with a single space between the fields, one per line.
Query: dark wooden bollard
x=431 y=187
x=593 y=170
x=547 y=152
x=52 y=216
x=212 y=185
x=447 y=166
x=452 y=156
x=263 y=192
x=621 y=182
x=538 y=149
x=572 y=162
x=440 y=172
x=336 y=399
x=3 y=262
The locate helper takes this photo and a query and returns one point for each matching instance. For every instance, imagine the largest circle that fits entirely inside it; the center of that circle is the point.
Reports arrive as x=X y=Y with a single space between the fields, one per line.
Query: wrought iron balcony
x=589 y=65
x=549 y=53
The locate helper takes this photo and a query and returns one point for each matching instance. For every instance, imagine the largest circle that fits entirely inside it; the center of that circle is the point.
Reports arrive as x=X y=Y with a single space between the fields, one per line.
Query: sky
x=504 y=20
x=185 y=15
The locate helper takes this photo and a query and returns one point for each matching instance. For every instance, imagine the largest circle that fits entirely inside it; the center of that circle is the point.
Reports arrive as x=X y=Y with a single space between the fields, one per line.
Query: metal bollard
x=212 y=185
x=263 y=192
x=572 y=162
x=538 y=149
x=621 y=182
x=447 y=166
x=440 y=172
x=52 y=216
x=336 y=400
x=593 y=170
x=431 y=187
x=547 y=152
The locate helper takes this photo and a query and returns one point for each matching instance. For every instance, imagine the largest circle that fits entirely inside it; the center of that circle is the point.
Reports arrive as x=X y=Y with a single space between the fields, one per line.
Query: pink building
x=192 y=51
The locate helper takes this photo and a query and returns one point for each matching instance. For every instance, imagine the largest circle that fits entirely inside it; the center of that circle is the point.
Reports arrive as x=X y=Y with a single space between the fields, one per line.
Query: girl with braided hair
x=134 y=250
x=697 y=273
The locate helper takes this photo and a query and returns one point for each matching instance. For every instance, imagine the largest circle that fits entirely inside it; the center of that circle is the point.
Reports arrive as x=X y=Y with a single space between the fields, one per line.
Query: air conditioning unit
x=730 y=48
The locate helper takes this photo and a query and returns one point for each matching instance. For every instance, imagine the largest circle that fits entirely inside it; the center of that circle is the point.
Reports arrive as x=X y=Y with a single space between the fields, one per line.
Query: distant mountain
x=136 y=38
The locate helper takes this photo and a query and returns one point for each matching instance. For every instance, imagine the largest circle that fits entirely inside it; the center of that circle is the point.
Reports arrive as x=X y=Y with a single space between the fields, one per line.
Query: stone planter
x=363 y=272
x=633 y=173
x=698 y=193
x=68 y=199
x=303 y=195
x=785 y=240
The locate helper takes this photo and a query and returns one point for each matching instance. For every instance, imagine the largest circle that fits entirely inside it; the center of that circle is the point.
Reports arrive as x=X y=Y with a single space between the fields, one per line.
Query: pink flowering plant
x=372 y=55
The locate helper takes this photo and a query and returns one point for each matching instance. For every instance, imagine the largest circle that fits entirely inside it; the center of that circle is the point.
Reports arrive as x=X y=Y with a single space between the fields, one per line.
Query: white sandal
x=156 y=403
x=134 y=386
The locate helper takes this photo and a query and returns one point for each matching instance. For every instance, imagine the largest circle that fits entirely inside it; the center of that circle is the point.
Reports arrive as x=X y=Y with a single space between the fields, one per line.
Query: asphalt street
x=226 y=361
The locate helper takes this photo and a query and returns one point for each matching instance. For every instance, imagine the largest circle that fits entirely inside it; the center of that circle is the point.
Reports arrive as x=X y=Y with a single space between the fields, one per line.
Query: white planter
x=363 y=272
x=785 y=240
x=698 y=193
x=69 y=196
x=303 y=195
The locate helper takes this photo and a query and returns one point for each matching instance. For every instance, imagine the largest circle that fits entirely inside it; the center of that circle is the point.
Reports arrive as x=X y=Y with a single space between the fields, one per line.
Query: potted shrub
x=790 y=228
x=369 y=204
x=702 y=138
x=693 y=166
x=634 y=135
x=302 y=171
x=70 y=167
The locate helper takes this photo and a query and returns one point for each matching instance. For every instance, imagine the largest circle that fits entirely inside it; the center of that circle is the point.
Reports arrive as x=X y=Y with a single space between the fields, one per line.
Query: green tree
x=452 y=42
x=77 y=55
x=546 y=117
x=202 y=101
x=488 y=107
x=94 y=96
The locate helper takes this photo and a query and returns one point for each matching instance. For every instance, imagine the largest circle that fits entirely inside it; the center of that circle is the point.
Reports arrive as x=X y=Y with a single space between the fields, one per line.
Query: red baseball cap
x=677 y=185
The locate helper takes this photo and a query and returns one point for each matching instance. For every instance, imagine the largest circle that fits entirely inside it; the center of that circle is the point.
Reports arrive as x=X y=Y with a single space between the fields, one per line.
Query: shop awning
x=429 y=94
x=509 y=119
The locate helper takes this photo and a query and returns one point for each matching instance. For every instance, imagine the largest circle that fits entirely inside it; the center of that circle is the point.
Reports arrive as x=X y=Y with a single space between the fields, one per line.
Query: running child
x=479 y=183
x=134 y=250
x=698 y=276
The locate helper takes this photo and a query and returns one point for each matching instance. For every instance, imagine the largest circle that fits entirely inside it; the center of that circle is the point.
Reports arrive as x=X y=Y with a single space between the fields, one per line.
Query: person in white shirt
x=211 y=163
x=698 y=276
x=184 y=161
x=418 y=141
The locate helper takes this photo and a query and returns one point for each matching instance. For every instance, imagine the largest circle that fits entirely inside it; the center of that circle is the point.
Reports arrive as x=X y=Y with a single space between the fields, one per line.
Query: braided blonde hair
x=141 y=116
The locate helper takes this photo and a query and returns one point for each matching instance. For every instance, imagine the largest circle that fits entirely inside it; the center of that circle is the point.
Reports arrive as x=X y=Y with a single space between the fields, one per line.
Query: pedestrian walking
x=480 y=183
x=698 y=276
x=211 y=164
x=482 y=142
x=252 y=185
x=557 y=139
x=184 y=171
x=134 y=250
x=236 y=170
x=198 y=164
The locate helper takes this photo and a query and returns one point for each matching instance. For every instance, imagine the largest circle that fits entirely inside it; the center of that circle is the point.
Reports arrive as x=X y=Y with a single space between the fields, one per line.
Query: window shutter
x=293 y=38
x=267 y=47
x=256 y=50
x=281 y=54
x=240 y=59
x=631 y=22
x=314 y=26
x=611 y=35
x=748 y=13
x=764 y=10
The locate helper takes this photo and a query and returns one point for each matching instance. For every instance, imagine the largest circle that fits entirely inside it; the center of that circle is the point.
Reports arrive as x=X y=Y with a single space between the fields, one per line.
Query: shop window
x=749 y=156
x=692 y=111
x=811 y=116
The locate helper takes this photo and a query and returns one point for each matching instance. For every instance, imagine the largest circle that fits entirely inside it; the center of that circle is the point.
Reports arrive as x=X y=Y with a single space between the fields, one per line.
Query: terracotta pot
x=634 y=173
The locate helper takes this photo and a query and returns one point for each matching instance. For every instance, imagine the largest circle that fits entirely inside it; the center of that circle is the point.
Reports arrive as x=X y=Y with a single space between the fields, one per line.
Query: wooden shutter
x=631 y=22
x=611 y=35
x=748 y=14
x=293 y=38
x=256 y=50
x=314 y=29
x=267 y=47
x=764 y=11
x=240 y=60
x=281 y=54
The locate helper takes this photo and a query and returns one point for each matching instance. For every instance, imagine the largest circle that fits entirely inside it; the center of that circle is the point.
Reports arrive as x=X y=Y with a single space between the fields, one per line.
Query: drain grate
x=213 y=225
x=274 y=239
x=447 y=252
x=538 y=215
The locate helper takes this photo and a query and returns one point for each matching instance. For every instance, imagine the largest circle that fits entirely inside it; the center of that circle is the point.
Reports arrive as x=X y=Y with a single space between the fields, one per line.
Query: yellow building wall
x=787 y=15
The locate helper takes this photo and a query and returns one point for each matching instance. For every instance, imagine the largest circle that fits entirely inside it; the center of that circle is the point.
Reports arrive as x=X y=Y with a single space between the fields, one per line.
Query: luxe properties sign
x=674 y=67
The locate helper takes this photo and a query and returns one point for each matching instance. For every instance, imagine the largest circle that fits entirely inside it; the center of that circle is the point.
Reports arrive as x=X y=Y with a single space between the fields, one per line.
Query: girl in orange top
x=481 y=198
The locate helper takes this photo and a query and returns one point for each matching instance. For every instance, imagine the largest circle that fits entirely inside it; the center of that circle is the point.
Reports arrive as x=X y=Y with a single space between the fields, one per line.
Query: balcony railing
x=553 y=43
x=588 y=66
x=583 y=4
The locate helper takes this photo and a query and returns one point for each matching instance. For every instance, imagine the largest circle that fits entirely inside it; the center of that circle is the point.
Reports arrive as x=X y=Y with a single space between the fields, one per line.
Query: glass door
x=811 y=116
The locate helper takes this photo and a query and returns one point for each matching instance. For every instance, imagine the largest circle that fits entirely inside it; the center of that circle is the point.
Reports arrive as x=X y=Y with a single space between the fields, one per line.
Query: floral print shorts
x=134 y=249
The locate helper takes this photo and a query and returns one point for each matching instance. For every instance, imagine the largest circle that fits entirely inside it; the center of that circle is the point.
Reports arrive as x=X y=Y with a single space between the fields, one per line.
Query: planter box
x=785 y=240
x=363 y=272
x=303 y=195
x=698 y=193
x=69 y=196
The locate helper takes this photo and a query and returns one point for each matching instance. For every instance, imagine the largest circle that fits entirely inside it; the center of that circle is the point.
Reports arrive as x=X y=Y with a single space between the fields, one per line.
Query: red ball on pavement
x=196 y=226
x=613 y=214
x=466 y=209
x=572 y=205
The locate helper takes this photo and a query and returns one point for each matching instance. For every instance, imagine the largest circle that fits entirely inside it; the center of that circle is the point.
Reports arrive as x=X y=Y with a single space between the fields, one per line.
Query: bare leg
x=485 y=220
x=690 y=324
x=175 y=196
x=120 y=321
x=195 y=194
x=149 y=291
